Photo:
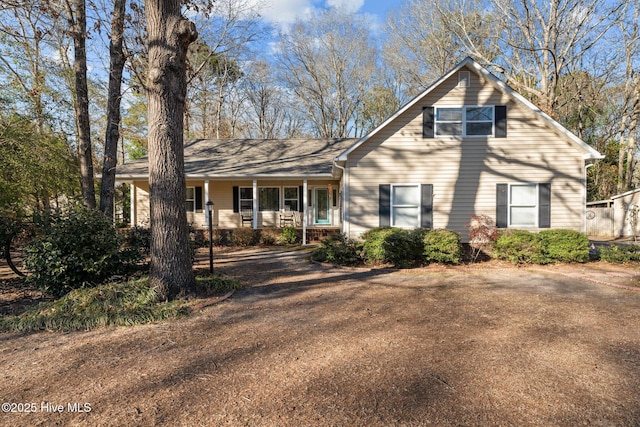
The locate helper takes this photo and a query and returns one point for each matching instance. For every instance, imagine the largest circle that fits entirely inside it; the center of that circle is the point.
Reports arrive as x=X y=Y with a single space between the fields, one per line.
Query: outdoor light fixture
x=210 y=215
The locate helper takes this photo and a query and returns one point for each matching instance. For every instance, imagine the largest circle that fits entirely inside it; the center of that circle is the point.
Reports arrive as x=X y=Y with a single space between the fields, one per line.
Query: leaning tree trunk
x=169 y=37
x=117 y=59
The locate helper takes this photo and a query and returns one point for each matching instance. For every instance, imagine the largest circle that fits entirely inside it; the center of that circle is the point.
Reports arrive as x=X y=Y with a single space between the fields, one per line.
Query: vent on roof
x=464 y=79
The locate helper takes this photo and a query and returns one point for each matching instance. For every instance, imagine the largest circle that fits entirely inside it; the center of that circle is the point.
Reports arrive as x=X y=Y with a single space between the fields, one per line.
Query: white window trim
x=393 y=206
x=240 y=199
x=464 y=121
x=191 y=200
x=536 y=206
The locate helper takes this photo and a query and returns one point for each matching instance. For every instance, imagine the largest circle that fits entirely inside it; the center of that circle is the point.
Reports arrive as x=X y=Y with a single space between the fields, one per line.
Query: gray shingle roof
x=222 y=158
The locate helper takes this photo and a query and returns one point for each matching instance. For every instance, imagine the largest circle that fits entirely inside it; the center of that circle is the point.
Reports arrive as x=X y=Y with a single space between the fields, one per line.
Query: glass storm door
x=323 y=206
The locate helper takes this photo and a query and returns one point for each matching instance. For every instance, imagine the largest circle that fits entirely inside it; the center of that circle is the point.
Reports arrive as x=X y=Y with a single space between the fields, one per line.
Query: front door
x=322 y=206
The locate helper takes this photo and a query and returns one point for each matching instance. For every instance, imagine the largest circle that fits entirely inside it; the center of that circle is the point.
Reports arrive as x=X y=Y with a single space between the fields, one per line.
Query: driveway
x=308 y=344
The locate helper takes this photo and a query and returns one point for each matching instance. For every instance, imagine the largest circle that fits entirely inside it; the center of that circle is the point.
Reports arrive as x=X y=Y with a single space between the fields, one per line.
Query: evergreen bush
x=620 y=253
x=564 y=246
x=338 y=250
x=442 y=246
x=74 y=250
x=288 y=235
x=518 y=246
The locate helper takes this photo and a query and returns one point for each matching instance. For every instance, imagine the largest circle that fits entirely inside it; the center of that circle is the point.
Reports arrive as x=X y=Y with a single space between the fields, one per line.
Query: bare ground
x=308 y=344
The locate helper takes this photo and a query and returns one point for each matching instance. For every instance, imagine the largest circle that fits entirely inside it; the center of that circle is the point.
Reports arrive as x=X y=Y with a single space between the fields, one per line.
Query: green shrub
x=620 y=253
x=518 y=246
x=79 y=249
x=564 y=246
x=389 y=245
x=442 y=246
x=338 y=250
x=139 y=238
x=288 y=235
x=244 y=236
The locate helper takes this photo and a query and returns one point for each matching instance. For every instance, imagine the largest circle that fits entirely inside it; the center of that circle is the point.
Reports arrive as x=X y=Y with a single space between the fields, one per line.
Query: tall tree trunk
x=169 y=37
x=117 y=60
x=78 y=20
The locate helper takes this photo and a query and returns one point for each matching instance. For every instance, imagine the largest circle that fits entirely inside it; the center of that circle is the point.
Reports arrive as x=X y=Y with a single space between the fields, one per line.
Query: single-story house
x=468 y=144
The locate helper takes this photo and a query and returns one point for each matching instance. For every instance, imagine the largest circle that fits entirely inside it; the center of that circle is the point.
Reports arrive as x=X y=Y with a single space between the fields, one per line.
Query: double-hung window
x=405 y=205
x=291 y=198
x=190 y=203
x=246 y=198
x=523 y=205
x=464 y=121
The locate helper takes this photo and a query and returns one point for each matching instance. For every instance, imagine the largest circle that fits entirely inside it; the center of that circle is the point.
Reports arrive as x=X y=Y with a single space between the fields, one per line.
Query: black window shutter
x=384 y=207
x=236 y=199
x=300 y=199
x=427 y=122
x=544 y=205
x=501 y=121
x=502 y=205
x=198 y=199
x=426 y=216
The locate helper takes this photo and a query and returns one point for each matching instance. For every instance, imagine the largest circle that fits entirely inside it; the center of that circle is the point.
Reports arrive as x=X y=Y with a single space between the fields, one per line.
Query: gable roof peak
x=590 y=152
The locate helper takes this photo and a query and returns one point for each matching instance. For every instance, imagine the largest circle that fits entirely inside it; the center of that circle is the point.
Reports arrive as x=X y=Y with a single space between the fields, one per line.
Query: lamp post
x=210 y=216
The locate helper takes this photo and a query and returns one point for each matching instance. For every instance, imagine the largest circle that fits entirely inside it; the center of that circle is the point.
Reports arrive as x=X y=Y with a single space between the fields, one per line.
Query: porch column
x=206 y=199
x=255 y=204
x=304 y=212
x=132 y=198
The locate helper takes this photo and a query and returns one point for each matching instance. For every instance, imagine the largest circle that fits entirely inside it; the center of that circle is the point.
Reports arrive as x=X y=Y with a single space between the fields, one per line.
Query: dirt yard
x=314 y=345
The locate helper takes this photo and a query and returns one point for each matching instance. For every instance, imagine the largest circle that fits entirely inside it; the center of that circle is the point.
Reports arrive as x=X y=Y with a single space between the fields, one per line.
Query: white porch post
x=132 y=198
x=304 y=212
x=207 y=197
x=255 y=204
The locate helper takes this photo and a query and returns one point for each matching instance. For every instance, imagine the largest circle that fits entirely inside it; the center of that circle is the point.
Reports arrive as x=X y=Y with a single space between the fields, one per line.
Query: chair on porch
x=246 y=215
x=287 y=216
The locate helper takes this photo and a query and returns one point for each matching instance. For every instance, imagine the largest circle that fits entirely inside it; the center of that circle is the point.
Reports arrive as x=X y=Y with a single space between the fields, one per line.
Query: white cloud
x=284 y=11
x=350 y=6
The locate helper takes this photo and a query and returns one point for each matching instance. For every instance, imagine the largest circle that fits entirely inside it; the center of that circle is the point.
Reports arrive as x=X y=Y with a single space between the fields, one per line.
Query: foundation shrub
x=620 y=253
x=244 y=236
x=288 y=236
x=564 y=246
x=518 y=246
x=389 y=245
x=338 y=250
x=269 y=236
x=442 y=246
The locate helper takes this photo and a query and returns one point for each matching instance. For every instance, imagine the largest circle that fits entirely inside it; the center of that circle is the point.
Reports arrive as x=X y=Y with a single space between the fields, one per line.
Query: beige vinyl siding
x=464 y=172
x=221 y=194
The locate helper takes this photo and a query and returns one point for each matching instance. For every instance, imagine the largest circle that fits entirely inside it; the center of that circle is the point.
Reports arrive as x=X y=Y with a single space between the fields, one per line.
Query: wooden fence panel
x=599 y=221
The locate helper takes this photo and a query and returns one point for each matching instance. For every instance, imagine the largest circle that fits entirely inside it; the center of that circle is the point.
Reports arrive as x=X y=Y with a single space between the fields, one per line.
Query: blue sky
x=287 y=11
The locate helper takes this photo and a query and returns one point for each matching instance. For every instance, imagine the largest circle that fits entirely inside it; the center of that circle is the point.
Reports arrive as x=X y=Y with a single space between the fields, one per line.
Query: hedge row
x=406 y=248
x=388 y=245
x=545 y=247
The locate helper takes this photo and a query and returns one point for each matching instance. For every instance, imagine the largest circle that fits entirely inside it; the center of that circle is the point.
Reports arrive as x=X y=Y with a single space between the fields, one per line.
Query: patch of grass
x=111 y=304
x=215 y=285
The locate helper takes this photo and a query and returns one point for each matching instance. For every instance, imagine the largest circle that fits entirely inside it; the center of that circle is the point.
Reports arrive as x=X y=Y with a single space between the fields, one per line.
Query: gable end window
x=466 y=121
